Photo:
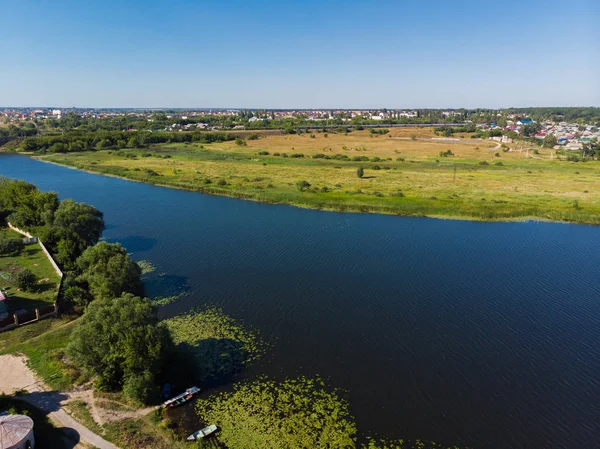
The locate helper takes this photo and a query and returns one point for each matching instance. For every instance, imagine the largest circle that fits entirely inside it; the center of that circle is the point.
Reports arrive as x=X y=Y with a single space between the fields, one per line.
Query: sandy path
x=15 y=375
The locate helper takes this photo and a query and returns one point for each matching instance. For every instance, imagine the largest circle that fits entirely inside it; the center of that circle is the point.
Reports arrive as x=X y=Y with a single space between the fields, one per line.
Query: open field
x=404 y=174
x=33 y=258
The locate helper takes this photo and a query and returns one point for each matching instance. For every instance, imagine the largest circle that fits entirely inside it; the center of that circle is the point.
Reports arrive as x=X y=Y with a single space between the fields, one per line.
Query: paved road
x=15 y=375
x=50 y=402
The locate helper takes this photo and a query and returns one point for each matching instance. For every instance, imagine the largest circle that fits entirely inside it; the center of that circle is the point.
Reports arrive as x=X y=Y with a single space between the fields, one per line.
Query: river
x=467 y=333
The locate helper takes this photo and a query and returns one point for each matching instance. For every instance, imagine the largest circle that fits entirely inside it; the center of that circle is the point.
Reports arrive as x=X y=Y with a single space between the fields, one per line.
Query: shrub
x=446 y=153
x=296 y=155
x=240 y=142
x=276 y=154
x=263 y=153
x=498 y=163
x=360 y=172
x=398 y=193
x=484 y=163
x=376 y=159
x=312 y=136
x=497 y=154
x=318 y=156
x=25 y=279
x=253 y=136
x=11 y=246
x=302 y=185
x=400 y=159
x=222 y=182
x=376 y=167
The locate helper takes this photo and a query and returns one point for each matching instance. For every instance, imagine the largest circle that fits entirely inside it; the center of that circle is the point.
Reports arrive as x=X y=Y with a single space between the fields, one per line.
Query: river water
x=479 y=334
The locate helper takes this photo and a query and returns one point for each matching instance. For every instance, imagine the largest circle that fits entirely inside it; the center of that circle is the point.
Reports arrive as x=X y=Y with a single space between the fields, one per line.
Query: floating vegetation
x=164 y=300
x=219 y=346
x=300 y=413
x=146 y=266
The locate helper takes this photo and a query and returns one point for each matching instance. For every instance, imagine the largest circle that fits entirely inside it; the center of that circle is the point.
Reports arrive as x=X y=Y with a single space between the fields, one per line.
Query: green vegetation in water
x=146 y=266
x=297 y=413
x=218 y=345
x=164 y=300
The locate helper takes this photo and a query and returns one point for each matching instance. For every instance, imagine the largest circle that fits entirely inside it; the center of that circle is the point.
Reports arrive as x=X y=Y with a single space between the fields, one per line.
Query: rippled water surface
x=480 y=334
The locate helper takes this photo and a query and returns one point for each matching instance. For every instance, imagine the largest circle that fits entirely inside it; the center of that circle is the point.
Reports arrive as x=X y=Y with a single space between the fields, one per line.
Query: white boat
x=202 y=433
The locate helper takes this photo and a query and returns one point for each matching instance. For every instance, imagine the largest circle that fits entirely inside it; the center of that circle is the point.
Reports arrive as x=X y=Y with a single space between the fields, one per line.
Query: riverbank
x=419 y=176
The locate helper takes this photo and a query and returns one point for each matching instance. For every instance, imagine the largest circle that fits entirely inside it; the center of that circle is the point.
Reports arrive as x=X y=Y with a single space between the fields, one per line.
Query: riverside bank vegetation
x=109 y=336
x=407 y=171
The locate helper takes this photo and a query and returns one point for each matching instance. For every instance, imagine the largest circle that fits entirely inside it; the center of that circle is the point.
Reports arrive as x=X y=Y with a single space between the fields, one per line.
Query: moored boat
x=202 y=433
x=182 y=398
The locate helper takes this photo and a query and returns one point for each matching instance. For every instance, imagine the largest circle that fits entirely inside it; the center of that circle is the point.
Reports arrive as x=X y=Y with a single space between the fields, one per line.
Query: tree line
x=118 y=340
x=75 y=141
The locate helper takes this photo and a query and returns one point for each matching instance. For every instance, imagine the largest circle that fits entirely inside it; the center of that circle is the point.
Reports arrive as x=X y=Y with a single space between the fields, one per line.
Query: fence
x=46 y=252
x=9 y=322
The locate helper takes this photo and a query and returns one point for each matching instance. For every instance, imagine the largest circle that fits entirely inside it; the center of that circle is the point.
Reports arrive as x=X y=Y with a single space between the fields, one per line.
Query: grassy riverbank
x=404 y=174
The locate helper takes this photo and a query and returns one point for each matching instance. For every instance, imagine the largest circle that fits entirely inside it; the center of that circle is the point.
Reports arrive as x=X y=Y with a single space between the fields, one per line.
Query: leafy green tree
x=25 y=279
x=550 y=141
x=76 y=226
x=11 y=246
x=360 y=172
x=109 y=271
x=121 y=341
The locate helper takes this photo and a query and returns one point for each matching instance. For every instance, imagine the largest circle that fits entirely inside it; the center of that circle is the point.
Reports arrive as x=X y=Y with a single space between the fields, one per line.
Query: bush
x=253 y=136
x=318 y=156
x=400 y=159
x=25 y=279
x=297 y=155
x=360 y=172
x=240 y=142
x=446 y=153
x=302 y=185
x=263 y=153
x=222 y=182
x=484 y=163
x=11 y=246
x=376 y=167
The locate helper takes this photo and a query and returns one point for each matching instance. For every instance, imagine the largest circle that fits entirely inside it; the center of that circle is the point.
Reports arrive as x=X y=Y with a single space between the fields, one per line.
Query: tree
x=550 y=141
x=360 y=172
x=11 y=246
x=25 y=279
x=76 y=226
x=120 y=341
x=108 y=271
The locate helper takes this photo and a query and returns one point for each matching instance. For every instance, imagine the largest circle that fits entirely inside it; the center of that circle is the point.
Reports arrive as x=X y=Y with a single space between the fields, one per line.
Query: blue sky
x=283 y=54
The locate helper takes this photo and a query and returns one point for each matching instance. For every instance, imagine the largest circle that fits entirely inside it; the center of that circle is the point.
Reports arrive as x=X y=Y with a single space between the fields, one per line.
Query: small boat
x=181 y=398
x=166 y=391
x=202 y=433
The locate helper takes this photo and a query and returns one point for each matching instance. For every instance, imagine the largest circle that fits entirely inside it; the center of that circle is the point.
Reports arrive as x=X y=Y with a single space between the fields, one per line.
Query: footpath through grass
x=420 y=175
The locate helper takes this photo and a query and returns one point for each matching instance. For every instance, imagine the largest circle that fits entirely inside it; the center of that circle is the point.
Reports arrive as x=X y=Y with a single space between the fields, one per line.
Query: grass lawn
x=33 y=258
x=44 y=344
x=405 y=174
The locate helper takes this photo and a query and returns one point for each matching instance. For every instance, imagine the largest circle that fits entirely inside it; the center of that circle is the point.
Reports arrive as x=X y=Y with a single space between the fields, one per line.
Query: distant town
x=565 y=128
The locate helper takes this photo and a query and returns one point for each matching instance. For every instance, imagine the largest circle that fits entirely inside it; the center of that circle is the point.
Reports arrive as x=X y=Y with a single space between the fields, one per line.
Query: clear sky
x=294 y=54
